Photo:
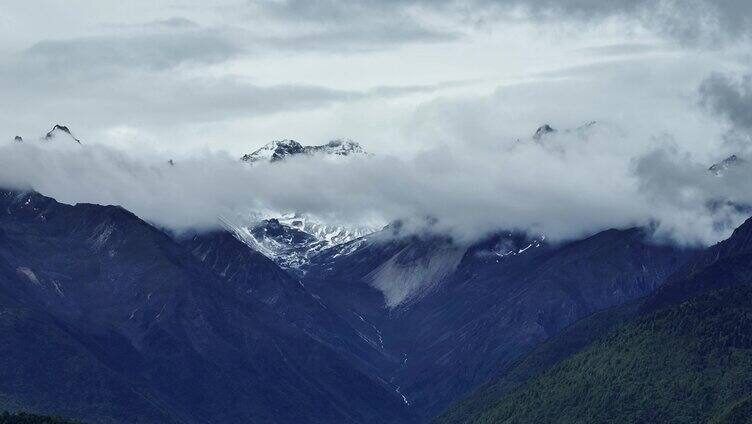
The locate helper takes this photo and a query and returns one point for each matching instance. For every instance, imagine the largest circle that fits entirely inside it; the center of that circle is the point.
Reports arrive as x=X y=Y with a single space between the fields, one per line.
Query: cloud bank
x=698 y=22
x=567 y=184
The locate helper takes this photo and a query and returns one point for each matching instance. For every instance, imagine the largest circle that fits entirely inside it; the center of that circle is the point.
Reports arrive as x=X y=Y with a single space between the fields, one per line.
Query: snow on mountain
x=292 y=239
x=333 y=234
x=288 y=239
x=718 y=168
x=275 y=151
x=339 y=147
x=280 y=149
x=60 y=132
x=512 y=246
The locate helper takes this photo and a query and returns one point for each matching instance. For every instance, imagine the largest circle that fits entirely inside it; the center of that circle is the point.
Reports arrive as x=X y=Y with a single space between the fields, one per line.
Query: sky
x=440 y=91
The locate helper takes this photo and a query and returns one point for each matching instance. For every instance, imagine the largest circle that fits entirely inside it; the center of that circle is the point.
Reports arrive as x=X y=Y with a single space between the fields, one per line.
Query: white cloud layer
x=568 y=184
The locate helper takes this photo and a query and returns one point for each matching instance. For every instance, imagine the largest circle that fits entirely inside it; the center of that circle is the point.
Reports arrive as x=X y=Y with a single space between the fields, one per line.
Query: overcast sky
x=232 y=75
x=403 y=77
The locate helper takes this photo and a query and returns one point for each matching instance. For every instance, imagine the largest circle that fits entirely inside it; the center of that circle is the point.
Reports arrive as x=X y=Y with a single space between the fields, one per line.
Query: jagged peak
x=718 y=168
x=340 y=146
x=279 y=149
x=588 y=124
x=274 y=151
x=18 y=139
x=284 y=143
x=543 y=130
x=57 y=129
x=342 y=142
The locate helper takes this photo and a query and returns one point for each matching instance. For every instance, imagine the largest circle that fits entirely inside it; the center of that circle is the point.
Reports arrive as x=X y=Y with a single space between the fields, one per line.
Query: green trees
x=24 y=418
x=688 y=363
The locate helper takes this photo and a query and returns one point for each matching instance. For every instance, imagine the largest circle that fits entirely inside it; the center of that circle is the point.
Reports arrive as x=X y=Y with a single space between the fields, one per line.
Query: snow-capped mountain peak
x=292 y=239
x=275 y=151
x=281 y=149
x=341 y=147
x=720 y=167
x=60 y=131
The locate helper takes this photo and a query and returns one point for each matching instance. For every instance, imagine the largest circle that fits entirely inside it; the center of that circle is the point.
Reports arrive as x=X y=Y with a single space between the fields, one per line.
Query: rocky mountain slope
x=105 y=318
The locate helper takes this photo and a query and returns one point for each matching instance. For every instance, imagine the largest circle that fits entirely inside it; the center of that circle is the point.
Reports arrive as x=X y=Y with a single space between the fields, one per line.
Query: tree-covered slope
x=687 y=363
x=24 y=418
x=571 y=340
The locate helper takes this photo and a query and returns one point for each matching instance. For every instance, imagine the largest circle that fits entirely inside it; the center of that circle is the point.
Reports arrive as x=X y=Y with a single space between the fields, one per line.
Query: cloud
x=359 y=25
x=166 y=73
x=570 y=184
x=147 y=99
x=729 y=98
x=620 y=49
x=161 y=46
x=691 y=21
x=689 y=202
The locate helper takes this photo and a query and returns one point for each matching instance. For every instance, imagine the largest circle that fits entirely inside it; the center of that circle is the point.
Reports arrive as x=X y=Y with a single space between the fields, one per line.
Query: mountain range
x=106 y=318
x=57 y=132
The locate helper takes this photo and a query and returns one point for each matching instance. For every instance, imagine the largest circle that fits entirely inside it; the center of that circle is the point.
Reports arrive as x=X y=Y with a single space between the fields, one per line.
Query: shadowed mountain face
x=135 y=325
x=253 y=276
x=725 y=264
x=697 y=321
x=474 y=309
x=24 y=418
x=107 y=319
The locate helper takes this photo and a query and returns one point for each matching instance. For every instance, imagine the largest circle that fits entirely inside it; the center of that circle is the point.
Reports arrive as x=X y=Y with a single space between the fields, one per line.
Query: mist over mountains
x=376 y=211
x=562 y=183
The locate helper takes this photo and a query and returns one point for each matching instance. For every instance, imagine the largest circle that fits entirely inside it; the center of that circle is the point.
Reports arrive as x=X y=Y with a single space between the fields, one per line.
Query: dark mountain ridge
x=708 y=292
x=133 y=328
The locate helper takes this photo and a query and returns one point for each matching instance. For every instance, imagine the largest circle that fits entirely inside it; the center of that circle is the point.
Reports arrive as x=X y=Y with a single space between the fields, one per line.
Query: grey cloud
x=396 y=90
x=729 y=98
x=357 y=25
x=579 y=185
x=160 y=50
x=135 y=77
x=166 y=99
x=140 y=75
x=355 y=38
x=175 y=22
x=694 y=21
x=692 y=200
x=621 y=49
